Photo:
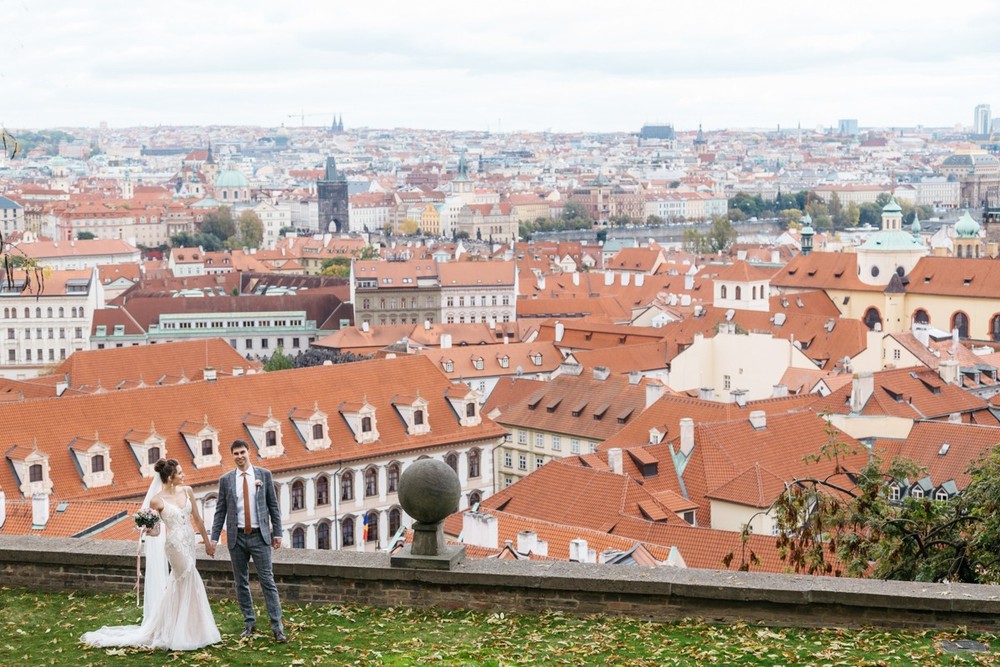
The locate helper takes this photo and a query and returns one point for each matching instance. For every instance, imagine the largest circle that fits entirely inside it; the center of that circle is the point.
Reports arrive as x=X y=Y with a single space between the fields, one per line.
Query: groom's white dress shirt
x=252 y=486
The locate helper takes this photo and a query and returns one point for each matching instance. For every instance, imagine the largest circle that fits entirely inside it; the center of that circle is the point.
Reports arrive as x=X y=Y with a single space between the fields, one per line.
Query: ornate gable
x=202 y=440
x=312 y=426
x=265 y=431
x=93 y=461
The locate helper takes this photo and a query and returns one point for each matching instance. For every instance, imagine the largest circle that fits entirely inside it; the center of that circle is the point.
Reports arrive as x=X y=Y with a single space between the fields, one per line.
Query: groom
x=249 y=509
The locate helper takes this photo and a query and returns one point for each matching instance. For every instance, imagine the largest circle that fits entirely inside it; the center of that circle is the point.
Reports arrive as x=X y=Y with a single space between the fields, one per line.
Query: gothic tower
x=331 y=191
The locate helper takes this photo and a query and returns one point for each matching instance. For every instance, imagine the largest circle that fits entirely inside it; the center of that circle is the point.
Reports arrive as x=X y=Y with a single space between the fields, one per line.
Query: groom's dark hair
x=237 y=444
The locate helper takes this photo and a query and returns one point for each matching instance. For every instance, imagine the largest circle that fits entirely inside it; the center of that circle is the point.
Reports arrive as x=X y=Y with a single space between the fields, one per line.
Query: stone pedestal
x=429 y=491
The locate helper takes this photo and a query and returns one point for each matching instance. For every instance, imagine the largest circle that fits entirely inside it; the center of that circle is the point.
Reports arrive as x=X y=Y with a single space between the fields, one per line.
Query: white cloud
x=530 y=65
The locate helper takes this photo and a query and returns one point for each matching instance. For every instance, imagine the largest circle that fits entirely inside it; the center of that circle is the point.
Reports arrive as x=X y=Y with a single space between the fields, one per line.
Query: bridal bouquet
x=146 y=518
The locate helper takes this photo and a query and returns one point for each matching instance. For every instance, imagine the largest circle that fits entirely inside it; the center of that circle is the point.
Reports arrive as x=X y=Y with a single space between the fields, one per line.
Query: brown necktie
x=247 y=528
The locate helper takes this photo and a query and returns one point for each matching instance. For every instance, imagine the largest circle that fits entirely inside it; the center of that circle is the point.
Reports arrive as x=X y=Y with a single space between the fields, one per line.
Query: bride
x=176 y=613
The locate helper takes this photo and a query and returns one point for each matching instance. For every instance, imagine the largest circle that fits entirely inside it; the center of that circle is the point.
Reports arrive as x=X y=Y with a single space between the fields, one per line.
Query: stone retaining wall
x=68 y=564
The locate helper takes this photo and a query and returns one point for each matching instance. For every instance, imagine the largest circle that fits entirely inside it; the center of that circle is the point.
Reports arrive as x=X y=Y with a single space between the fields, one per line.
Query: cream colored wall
x=941 y=308
x=732 y=516
x=755 y=362
x=872 y=427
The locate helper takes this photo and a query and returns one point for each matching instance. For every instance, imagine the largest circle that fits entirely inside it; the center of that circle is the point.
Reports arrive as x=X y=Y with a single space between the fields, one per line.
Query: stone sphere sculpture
x=429 y=490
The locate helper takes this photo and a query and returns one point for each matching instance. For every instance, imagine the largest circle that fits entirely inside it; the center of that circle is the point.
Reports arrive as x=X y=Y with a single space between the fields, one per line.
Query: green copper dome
x=966 y=227
x=231 y=178
x=892 y=206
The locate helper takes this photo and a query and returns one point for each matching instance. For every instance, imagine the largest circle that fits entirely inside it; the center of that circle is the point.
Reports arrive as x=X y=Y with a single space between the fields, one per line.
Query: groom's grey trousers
x=249 y=546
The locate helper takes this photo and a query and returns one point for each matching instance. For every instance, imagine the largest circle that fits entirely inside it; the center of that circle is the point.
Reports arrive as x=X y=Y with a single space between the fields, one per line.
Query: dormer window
x=361 y=420
x=449 y=365
x=655 y=436
x=266 y=433
x=465 y=403
x=31 y=468
x=148 y=448
x=195 y=434
x=504 y=361
x=413 y=411
x=536 y=358
x=477 y=363
x=312 y=427
x=93 y=459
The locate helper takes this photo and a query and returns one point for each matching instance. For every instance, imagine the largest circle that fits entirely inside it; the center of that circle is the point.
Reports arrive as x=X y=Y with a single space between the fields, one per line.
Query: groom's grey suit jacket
x=226 y=511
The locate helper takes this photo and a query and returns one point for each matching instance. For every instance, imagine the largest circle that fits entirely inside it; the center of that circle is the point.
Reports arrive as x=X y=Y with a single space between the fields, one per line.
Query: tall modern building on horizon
x=848 y=127
x=981 y=121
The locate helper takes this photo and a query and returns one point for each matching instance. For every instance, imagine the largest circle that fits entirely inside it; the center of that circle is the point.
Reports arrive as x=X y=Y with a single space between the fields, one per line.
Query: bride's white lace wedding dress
x=182 y=620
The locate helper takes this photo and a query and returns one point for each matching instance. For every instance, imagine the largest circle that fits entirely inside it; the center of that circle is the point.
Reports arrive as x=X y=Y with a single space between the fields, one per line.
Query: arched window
x=35 y=473
x=317 y=431
x=371 y=527
x=418 y=417
x=347 y=486
x=347 y=531
x=474 y=458
x=27 y=313
x=395 y=520
x=371 y=482
x=995 y=328
x=299 y=538
x=366 y=304
x=48 y=311
x=153 y=455
x=920 y=316
x=475 y=498
x=38 y=311
x=206 y=447
x=298 y=495
x=61 y=311
x=271 y=439
x=366 y=424
x=323 y=491
x=722 y=291
x=452 y=460
x=873 y=318
x=739 y=292
x=960 y=321
x=392 y=478
x=470 y=409
x=97 y=464
x=323 y=536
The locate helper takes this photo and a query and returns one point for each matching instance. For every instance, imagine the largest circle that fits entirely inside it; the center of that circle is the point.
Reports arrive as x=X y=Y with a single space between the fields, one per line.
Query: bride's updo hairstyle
x=166 y=468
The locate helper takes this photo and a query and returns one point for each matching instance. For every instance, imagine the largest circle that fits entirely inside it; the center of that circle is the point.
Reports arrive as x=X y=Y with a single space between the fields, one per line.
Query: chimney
x=445 y=341
x=688 y=281
x=758 y=419
x=609 y=278
x=779 y=391
x=540 y=282
x=687 y=436
x=237 y=371
x=39 y=510
x=640 y=279
x=560 y=331
x=364 y=326
x=739 y=397
x=706 y=393
x=948 y=370
x=62 y=385
x=601 y=373
x=685 y=299
x=634 y=377
x=626 y=278
x=654 y=390
x=578 y=550
x=775 y=257
x=615 y=460
x=954 y=339
x=576 y=278
x=427 y=325
x=862 y=386
x=493 y=324
x=526 y=541
x=955 y=418
x=210 y=374
x=480 y=530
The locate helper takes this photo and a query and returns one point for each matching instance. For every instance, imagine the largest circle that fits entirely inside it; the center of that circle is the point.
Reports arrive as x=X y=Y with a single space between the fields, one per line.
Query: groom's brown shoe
x=280 y=637
x=248 y=632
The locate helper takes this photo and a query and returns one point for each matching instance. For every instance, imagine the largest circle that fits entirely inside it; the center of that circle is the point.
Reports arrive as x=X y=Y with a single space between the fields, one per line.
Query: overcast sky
x=503 y=65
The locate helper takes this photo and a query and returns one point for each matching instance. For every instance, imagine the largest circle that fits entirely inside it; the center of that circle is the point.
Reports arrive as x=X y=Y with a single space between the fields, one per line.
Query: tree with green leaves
x=219 y=223
x=336 y=266
x=279 y=361
x=249 y=230
x=85 y=236
x=721 y=235
x=848 y=523
x=207 y=242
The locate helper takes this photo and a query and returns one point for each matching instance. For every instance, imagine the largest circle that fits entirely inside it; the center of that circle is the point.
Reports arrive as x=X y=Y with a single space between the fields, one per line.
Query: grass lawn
x=43 y=629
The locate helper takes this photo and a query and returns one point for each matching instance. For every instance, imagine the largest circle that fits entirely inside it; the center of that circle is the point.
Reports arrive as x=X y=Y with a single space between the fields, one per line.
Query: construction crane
x=302 y=115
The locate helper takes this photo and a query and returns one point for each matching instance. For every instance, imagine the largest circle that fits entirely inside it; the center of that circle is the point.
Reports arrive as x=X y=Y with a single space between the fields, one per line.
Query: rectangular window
x=295 y=343
x=539 y=462
x=508 y=458
x=522 y=462
x=522 y=437
x=539 y=441
x=727 y=382
x=264 y=343
x=11 y=356
x=249 y=343
x=281 y=343
x=574 y=446
x=79 y=332
x=556 y=443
